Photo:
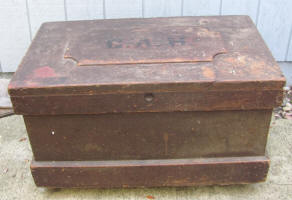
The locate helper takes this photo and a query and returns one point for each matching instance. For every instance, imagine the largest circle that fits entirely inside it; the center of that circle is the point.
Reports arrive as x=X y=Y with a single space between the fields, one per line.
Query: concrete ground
x=16 y=181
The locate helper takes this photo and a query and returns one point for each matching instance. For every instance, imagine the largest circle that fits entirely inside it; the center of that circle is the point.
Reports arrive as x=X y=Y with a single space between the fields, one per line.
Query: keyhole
x=149 y=97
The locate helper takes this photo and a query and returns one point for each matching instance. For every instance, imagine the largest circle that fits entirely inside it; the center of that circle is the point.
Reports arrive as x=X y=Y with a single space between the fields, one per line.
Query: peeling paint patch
x=208 y=72
x=92 y=147
x=165 y=138
x=44 y=72
x=31 y=83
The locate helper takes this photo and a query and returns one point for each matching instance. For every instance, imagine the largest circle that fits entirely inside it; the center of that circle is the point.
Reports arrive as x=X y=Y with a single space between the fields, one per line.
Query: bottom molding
x=150 y=173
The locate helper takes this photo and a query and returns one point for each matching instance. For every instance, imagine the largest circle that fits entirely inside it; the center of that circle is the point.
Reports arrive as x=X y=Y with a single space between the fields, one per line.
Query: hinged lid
x=180 y=64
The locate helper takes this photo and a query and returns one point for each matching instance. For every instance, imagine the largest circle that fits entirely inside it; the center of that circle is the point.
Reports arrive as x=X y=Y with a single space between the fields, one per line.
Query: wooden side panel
x=84 y=9
x=241 y=7
x=274 y=24
x=162 y=8
x=14 y=33
x=123 y=9
x=201 y=7
x=43 y=11
x=150 y=173
x=166 y=135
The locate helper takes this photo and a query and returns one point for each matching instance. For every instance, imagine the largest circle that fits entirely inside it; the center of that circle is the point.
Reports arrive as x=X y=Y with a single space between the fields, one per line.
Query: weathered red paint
x=44 y=72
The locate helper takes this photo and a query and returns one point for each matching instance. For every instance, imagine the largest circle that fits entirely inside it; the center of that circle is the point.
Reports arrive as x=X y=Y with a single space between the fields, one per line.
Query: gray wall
x=20 y=19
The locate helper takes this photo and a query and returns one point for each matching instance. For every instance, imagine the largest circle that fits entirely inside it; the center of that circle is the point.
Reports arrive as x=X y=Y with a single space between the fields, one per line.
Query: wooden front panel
x=148 y=135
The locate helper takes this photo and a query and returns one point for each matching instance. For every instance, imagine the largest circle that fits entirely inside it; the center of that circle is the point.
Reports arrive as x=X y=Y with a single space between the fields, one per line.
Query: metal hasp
x=178 y=101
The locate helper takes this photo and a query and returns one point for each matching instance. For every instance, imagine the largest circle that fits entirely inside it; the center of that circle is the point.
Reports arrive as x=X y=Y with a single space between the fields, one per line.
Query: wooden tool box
x=148 y=102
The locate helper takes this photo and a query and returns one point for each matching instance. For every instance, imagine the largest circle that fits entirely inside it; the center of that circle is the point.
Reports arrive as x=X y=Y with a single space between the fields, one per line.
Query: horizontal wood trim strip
x=160 y=102
x=150 y=173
